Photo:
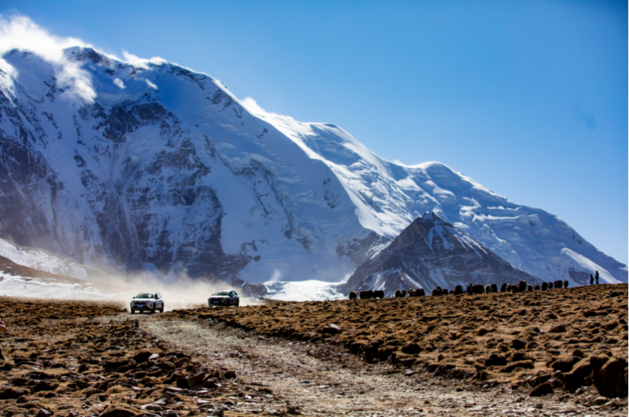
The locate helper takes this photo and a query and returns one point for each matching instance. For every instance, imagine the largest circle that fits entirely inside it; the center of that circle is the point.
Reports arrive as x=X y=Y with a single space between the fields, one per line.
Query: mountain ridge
x=172 y=173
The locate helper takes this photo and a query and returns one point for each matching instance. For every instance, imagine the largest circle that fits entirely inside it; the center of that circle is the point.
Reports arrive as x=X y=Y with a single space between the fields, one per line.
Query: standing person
x=596 y=277
x=591 y=279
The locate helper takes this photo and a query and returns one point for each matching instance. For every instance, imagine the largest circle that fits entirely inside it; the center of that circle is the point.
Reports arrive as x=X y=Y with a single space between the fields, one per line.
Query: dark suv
x=224 y=298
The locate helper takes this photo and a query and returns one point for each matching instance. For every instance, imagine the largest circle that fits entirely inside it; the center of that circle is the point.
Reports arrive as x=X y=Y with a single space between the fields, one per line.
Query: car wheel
x=132 y=311
x=153 y=309
x=161 y=310
x=237 y=303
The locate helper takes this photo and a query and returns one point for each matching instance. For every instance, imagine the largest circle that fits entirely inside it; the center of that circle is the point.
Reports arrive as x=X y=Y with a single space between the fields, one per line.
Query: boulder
x=518 y=344
x=541 y=390
x=196 y=380
x=45 y=386
x=411 y=348
x=7 y=393
x=372 y=351
x=142 y=356
x=609 y=376
x=495 y=360
x=565 y=364
x=575 y=379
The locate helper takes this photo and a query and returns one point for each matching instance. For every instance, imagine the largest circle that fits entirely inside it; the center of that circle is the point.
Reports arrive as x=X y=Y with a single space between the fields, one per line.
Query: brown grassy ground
x=75 y=358
x=499 y=338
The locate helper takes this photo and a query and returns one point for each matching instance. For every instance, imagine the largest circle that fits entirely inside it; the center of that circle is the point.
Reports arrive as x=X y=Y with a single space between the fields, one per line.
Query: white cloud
x=141 y=62
x=19 y=32
x=254 y=108
x=251 y=105
x=119 y=83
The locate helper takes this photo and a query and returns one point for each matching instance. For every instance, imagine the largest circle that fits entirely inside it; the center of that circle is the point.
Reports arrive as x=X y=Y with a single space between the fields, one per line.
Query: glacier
x=155 y=167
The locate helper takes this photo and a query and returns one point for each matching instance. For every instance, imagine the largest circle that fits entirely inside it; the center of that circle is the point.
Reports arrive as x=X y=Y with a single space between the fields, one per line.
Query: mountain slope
x=150 y=166
x=431 y=253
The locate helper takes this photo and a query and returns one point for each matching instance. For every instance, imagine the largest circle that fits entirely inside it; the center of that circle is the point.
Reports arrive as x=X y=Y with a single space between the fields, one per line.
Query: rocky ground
x=456 y=355
x=86 y=358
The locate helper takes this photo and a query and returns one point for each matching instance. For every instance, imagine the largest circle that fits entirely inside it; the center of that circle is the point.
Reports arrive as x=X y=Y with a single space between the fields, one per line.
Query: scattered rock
x=332 y=329
x=293 y=411
x=195 y=380
x=599 y=401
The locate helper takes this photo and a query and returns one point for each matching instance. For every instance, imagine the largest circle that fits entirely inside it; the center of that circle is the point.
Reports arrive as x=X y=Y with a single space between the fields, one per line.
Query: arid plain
x=561 y=351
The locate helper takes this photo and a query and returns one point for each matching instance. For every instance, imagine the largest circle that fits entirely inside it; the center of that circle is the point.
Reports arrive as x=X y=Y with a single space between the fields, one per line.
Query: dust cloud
x=180 y=292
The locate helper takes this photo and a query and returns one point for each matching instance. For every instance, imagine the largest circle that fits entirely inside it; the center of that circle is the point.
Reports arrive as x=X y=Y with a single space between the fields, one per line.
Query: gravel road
x=309 y=379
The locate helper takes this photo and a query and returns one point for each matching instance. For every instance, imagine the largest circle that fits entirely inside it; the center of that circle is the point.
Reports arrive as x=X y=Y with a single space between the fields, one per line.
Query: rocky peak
x=431 y=253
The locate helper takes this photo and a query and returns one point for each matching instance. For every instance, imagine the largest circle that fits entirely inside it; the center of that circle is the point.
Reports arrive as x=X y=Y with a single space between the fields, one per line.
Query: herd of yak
x=522 y=286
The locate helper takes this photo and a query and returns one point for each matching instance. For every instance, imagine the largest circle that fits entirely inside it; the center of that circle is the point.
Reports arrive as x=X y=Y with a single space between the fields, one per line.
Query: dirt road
x=318 y=379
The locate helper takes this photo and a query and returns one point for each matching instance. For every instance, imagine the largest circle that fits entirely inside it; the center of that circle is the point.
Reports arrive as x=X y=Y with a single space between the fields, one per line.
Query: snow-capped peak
x=148 y=165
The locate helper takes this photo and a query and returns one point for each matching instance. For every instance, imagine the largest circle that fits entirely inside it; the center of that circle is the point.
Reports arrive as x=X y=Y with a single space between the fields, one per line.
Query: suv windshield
x=145 y=295
x=222 y=293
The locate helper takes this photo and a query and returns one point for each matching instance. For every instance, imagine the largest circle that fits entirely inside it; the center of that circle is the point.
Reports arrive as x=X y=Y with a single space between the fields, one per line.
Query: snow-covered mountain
x=150 y=166
x=432 y=253
x=47 y=261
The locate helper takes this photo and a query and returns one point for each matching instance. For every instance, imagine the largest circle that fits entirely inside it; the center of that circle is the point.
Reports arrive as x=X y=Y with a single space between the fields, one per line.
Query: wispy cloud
x=254 y=108
x=141 y=62
x=20 y=32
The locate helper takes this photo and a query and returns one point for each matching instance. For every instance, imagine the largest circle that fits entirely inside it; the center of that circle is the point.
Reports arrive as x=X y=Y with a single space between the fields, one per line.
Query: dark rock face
x=127 y=226
x=130 y=202
x=248 y=289
x=432 y=253
x=359 y=250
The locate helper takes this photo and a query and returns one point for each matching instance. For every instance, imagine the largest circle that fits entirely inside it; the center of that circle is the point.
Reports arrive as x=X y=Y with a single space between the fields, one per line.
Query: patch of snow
x=310 y=290
x=119 y=83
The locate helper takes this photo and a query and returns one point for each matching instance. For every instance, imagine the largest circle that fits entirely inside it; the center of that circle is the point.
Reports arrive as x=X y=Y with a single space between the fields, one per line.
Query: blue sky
x=528 y=98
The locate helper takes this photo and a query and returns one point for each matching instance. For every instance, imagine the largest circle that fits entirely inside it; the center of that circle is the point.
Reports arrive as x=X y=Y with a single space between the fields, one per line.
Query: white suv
x=147 y=301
